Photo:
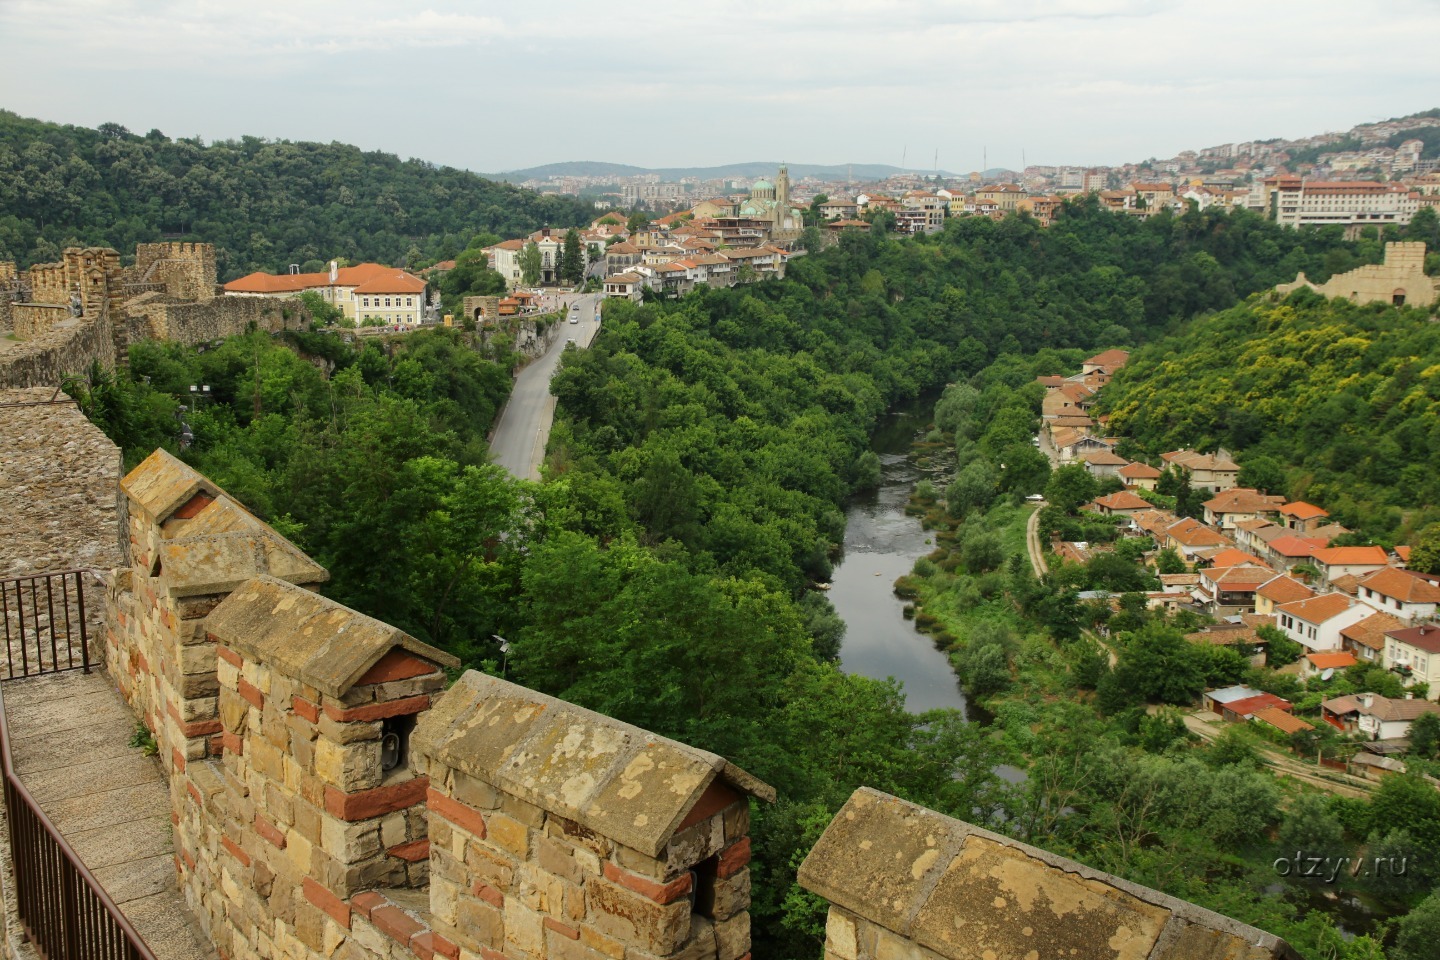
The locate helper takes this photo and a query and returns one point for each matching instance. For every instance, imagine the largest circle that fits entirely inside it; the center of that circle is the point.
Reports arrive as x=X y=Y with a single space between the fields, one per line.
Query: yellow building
x=368 y=291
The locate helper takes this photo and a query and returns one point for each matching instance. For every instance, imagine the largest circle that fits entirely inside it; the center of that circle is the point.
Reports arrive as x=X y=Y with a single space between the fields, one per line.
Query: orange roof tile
x=1109 y=358
x=1301 y=510
x=1284 y=589
x=1402 y=586
x=1122 y=500
x=1318 y=609
x=1371 y=631
x=1331 y=661
x=1139 y=471
x=1348 y=556
x=1281 y=720
x=1233 y=556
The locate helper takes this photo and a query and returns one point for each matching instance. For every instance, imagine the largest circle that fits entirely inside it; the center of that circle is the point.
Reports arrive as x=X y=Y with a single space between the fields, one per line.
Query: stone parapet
x=908 y=883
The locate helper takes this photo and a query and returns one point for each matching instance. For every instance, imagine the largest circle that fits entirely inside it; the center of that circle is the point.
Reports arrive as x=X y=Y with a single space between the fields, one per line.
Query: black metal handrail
x=65 y=912
x=44 y=618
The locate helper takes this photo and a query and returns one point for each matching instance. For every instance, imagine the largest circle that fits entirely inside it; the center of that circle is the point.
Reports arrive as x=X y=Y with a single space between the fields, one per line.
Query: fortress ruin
x=1400 y=280
x=58 y=318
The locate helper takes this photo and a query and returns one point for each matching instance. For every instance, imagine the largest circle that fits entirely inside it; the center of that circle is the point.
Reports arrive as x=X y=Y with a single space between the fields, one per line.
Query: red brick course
x=462 y=815
x=396 y=923
x=412 y=852
x=560 y=928
x=235 y=850
x=364 y=804
x=659 y=892
x=378 y=711
x=733 y=859
x=226 y=654
x=251 y=693
x=489 y=894
x=321 y=897
x=304 y=708
x=269 y=831
x=364 y=903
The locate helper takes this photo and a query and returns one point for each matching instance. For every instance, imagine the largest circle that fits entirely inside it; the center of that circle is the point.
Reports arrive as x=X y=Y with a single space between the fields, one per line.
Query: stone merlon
x=610 y=777
x=209 y=543
x=309 y=637
x=958 y=891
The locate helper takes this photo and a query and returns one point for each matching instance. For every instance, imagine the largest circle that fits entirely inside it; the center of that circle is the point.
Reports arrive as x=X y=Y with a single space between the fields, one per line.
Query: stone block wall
x=31 y=320
x=152 y=318
x=68 y=347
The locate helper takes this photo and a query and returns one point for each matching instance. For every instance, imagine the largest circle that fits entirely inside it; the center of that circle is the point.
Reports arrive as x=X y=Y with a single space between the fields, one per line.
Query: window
x=387 y=301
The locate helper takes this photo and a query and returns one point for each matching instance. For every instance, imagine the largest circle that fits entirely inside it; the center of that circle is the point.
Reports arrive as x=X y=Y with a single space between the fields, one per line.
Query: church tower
x=782 y=190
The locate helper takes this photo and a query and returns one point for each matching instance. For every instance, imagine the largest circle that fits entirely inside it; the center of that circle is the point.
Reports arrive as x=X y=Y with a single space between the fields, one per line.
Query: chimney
x=1366 y=700
x=334 y=272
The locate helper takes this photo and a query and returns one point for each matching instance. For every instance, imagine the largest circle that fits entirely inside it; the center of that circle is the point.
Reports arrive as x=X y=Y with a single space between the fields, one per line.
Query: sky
x=492 y=86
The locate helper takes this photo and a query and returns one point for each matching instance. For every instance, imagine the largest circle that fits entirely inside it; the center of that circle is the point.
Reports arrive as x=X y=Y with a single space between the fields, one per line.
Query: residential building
x=1139 y=476
x=1005 y=196
x=1210 y=471
x=1316 y=623
x=1414 y=653
x=1374 y=717
x=1106 y=362
x=624 y=285
x=505 y=260
x=1315 y=664
x=1366 y=639
x=1278 y=590
x=1280 y=720
x=1357 y=561
x=1227 y=590
x=373 y=291
x=1239 y=503
x=1189 y=536
x=1400 y=593
x=1105 y=463
x=1301 y=517
x=839 y=208
x=1122 y=503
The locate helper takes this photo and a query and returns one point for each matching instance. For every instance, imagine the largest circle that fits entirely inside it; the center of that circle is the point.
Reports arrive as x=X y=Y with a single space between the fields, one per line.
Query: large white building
x=1293 y=202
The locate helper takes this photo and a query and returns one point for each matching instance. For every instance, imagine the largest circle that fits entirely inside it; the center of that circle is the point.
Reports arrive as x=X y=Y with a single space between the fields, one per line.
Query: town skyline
x=1083 y=83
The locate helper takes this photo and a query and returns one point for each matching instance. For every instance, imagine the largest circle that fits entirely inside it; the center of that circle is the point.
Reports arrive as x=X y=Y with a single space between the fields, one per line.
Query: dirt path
x=1282 y=765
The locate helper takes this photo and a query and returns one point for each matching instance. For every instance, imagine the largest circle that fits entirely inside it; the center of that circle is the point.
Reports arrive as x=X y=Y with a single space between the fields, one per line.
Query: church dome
x=763 y=185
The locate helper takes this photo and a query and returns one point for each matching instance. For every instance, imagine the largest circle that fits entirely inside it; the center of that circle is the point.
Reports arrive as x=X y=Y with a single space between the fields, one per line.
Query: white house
x=1414 y=653
x=1402 y=594
x=1316 y=623
x=1374 y=716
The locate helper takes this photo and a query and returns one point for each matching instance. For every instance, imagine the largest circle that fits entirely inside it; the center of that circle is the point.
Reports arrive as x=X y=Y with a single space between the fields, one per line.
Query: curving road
x=518 y=443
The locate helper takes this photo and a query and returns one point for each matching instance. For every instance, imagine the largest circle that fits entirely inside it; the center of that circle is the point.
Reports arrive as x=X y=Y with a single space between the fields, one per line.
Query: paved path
x=518 y=443
x=69 y=737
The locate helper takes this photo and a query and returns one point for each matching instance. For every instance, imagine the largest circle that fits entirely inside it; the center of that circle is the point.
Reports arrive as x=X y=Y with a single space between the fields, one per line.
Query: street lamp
x=504 y=653
x=203 y=390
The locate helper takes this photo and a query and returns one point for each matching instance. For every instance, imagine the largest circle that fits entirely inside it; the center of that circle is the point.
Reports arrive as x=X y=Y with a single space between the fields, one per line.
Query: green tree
x=1168 y=561
x=572 y=258
x=322 y=311
x=531 y=264
x=1425 y=735
x=1417 y=933
x=638 y=221
x=973 y=489
x=1070 y=486
x=1264 y=474
x=1310 y=827
x=1425 y=555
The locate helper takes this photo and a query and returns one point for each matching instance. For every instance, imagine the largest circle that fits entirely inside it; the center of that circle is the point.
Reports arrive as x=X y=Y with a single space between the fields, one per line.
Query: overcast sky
x=501 y=86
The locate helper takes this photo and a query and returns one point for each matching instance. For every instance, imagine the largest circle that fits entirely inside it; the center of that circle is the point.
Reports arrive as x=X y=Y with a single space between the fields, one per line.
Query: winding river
x=881 y=544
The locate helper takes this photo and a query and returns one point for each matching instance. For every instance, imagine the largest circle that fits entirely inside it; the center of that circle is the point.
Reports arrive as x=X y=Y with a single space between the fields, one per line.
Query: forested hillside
x=263 y=203
x=1324 y=400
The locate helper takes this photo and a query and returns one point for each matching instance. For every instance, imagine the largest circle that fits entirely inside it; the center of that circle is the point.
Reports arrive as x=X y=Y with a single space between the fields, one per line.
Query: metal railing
x=65 y=912
x=44 y=618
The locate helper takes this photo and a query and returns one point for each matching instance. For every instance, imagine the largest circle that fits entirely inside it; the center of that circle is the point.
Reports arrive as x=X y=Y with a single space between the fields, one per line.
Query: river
x=882 y=544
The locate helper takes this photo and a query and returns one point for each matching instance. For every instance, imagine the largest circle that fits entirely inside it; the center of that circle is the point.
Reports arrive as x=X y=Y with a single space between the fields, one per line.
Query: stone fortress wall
x=1401 y=279
x=86 y=307
x=333 y=799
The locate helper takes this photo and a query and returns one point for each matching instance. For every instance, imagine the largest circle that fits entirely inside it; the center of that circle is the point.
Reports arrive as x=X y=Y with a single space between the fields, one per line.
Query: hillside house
x=1231 y=506
x=1374 y=717
x=1103 y=463
x=1302 y=517
x=1366 y=639
x=1357 y=561
x=1226 y=590
x=1316 y=623
x=1414 y=653
x=1212 y=471
x=1279 y=590
x=1400 y=593
x=1139 y=476
x=1189 y=536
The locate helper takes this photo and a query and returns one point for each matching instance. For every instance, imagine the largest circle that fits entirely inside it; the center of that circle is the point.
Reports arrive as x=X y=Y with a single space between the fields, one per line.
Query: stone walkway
x=69 y=736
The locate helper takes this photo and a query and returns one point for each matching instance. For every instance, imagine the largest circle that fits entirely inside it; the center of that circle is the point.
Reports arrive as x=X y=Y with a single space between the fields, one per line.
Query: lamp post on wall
x=504 y=653
x=197 y=392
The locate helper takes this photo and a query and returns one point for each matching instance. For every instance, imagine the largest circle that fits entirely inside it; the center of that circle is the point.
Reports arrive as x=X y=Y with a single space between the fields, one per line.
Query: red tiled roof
x=1301 y=510
x=1285 y=590
x=296 y=282
x=1242 y=500
x=1139 y=471
x=1249 y=705
x=1233 y=556
x=1318 y=609
x=1424 y=637
x=1347 y=556
x=1401 y=586
x=1331 y=661
x=395 y=282
x=1281 y=720
x=1122 y=500
x=1293 y=546
x=1371 y=631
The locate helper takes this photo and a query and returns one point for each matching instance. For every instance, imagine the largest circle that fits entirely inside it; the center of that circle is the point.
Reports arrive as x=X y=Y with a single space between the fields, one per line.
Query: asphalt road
x=518 y=443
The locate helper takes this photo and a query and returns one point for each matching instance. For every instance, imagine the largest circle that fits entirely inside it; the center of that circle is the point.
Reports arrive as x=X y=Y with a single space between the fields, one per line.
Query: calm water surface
x=881 y=544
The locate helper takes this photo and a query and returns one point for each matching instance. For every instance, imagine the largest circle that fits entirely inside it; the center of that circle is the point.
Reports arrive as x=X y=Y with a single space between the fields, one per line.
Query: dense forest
x=264 y=203
x=695 y=486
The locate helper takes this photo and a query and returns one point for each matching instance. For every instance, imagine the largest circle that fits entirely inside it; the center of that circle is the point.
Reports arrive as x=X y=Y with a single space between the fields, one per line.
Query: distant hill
x=264 y=203
x=752 y=170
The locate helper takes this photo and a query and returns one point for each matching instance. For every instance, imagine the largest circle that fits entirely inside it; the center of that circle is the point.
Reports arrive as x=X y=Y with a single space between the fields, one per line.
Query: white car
x=574 y=318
